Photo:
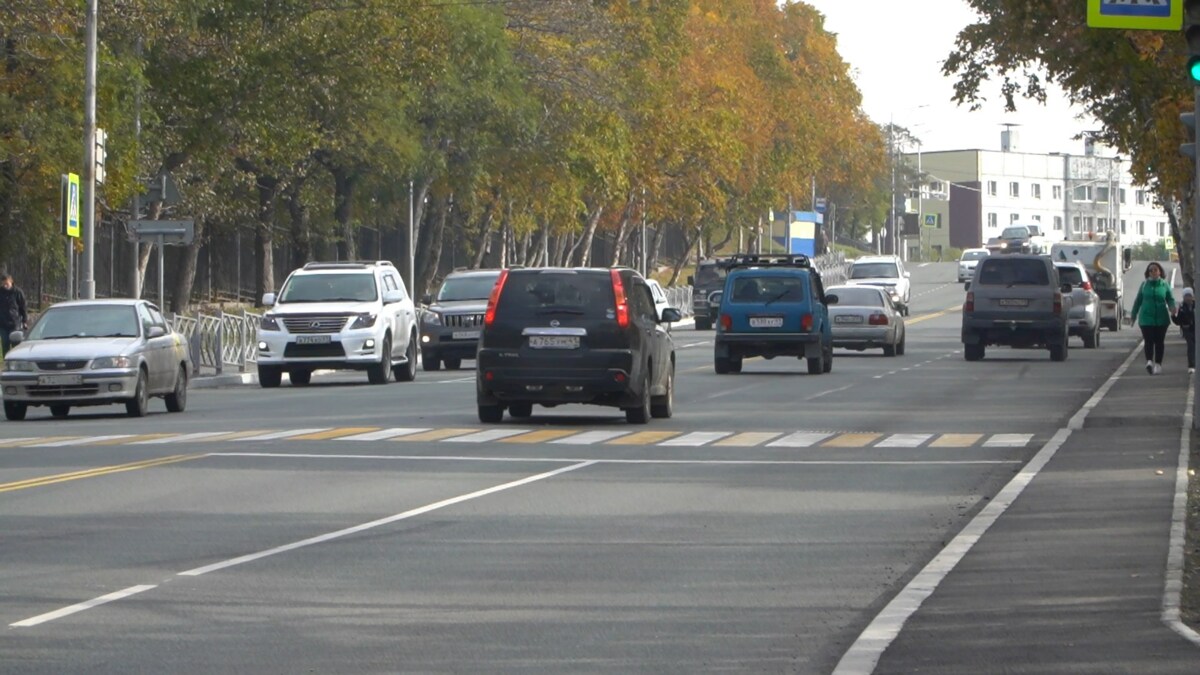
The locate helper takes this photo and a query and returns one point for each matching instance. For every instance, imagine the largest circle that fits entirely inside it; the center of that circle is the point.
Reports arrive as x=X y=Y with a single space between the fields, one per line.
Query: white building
x=969 y=196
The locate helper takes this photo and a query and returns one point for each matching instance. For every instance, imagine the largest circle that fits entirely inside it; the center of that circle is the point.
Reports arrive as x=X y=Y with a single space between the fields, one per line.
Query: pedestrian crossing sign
x=1136 y=14
x=70 y=205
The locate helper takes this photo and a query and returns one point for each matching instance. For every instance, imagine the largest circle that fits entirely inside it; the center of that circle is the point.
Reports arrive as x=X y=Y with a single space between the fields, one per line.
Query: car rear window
x=706 y=275
x=754 y=289
x=472 y=287
x=529 y=294
x=876 y=270
x=857 y=297
x=975 y=255
x=1012 y=272
x=1070 y=275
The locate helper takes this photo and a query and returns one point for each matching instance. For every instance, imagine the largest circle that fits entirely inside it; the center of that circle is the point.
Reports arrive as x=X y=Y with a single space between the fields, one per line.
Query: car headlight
x=269 y=322
x=112 y=362
x=431 y=317
x=364 y=320
x=19 y=366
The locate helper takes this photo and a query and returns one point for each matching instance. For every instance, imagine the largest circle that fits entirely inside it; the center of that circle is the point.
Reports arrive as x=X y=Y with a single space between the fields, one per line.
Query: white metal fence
x=222 y=340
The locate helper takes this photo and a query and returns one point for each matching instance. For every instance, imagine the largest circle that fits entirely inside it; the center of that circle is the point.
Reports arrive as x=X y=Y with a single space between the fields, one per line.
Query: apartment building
x=969 y=196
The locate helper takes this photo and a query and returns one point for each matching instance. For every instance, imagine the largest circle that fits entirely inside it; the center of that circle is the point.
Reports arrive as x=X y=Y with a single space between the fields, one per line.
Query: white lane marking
x=590 y=437
x=1173 y=588
x=384 y=434
x=382 y=521
x=73 y=609
x=680 y=462
x=800 y=439
x=10 y=441
x=182 y=438
x=697 y=438
x=276 y=435
x=486 y=436
x=863 y=655
x=1008 y=441
x=827 y=392
x=80 y=441
x=460 y=380
x=695 y=344
x=904 y=441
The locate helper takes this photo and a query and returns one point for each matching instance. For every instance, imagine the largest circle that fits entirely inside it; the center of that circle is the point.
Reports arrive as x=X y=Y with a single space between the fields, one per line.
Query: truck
x=1106 y=261
x=709 y=278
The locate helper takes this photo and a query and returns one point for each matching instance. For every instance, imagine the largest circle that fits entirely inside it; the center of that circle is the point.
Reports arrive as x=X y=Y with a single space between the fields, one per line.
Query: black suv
x=558 y=335
x=451 y=321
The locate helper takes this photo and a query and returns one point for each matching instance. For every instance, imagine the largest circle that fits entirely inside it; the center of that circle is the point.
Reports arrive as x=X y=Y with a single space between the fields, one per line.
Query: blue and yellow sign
x=1136 y=14
x=70 y=205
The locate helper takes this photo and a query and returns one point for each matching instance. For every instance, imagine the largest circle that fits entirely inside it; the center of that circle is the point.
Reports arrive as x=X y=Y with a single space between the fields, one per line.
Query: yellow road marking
x=850 y=440
x=38 y=441
x=333 y=433
x=539 y=436
x=233 y=436
x=644 y=438
x=926 y=317
x=92 y=473
x=748 y=439
x=956 y=440
x=436 y=435
x=132 y=439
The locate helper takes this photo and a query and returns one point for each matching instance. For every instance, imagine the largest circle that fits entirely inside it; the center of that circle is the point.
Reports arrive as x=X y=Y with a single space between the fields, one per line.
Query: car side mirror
x=155 y=332
x=907 y=275
x=831 y=299
x=691 y=280
x=392 y=297
x=670 y=315
x=268 y=300
x=16 y=337
x=427 y=299
x=967 y=286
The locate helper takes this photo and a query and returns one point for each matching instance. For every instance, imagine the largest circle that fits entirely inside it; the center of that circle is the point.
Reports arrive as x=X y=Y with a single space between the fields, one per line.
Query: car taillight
x=1057 y=304
x=622 y=305
x=806 y=322
x=969 y=305
x=1087 y=286
x=726 y=322
x=489 y=316
x=878 y=320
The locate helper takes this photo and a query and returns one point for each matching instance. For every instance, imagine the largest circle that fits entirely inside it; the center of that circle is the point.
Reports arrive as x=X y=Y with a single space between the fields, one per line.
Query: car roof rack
x=347 y=264
x=768 y=260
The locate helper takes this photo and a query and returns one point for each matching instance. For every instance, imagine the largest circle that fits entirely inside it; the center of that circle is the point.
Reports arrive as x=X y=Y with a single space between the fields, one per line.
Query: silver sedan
x=96 y=352
x=865 y=317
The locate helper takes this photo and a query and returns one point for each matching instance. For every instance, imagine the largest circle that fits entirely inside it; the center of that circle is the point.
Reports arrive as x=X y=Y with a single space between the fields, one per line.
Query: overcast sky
x=896 y=48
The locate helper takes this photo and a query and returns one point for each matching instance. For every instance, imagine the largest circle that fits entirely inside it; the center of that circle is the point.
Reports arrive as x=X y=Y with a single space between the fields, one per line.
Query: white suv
x=885 y=271
x=343 y=316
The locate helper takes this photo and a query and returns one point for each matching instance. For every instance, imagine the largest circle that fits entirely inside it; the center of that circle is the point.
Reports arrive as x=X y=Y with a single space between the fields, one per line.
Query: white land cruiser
x=342 y=316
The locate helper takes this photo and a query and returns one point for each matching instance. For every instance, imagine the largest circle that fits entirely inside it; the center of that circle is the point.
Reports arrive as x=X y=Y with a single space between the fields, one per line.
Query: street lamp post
x=87 y=265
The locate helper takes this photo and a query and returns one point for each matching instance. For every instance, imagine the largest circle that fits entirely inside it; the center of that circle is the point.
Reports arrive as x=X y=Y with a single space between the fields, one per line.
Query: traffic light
x=1191 y=32
x=1189 y=123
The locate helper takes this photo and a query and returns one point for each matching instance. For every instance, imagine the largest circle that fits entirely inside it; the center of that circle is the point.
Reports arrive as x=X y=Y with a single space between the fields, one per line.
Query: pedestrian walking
x=1185 y=318
x=12 y=311
x=1153 y=310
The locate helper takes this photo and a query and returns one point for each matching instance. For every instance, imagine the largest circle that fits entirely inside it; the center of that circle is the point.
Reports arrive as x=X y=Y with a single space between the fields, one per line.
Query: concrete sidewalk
x=1072 y=577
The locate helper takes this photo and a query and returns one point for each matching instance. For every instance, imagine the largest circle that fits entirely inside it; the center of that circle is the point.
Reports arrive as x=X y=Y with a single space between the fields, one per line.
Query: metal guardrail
x=221 y=340
x=680 y=297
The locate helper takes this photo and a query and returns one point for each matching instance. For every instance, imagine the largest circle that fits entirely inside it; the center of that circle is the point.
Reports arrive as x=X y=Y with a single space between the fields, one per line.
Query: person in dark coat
x=12 y=311
x=1185 y=318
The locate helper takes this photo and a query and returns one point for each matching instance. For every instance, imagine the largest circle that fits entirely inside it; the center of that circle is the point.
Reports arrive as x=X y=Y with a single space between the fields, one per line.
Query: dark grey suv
x=451 y=321
x=584 y=335
x=1018 y=301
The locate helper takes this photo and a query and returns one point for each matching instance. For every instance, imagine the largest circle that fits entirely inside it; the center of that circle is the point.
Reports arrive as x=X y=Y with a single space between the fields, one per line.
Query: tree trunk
x=264 y=237
x=655 y=247
x=302 y=248
x=626 y=229
x=584 y=245
x=185 y=276
x=344 y=182
x=429 y=254
x=484 y=240
x=683 y=259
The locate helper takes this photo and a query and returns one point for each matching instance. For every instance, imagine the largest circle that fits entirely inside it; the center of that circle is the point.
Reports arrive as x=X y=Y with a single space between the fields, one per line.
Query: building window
x=1077 y=223
x=1102 y=194
x=1162 y=229
x=1036 y=189
x=1056 y=190
x=936 y=187
x=1014 y=189
x=1083 y=193
x=1101 y=223
x=1089 y=223
x=1122 y=226
x=1141 y=227
x=992 y=220
x=1122 y=195
x=1057 y=222
x=992 y=188
x=1037 y=219
x=1140 y=197
x=1013 y=217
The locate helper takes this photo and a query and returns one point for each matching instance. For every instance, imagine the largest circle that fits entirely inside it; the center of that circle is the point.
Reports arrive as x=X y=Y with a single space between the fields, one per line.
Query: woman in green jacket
x=1153 y=309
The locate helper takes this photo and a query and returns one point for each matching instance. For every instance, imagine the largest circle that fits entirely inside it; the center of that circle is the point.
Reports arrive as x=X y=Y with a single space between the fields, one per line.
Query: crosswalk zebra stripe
x=487 y=436
x=903 y=441
x=800 y=439
x=850 y=441
x=696 y=438
x=747 y=439
x=385 y=434
x=1008 y=441
x=590 y=437
x=80 y=441
x=279 y=435
x=183 y=438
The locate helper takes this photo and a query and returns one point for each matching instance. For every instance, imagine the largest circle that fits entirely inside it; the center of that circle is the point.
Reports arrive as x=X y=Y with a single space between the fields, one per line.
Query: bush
x=1150 y=251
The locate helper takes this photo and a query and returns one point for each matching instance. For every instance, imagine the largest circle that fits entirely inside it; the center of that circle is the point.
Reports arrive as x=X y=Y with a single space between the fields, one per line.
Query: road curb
x=216 y=381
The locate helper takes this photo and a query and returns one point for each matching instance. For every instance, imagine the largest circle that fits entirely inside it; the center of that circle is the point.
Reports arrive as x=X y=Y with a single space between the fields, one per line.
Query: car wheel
x=430 y=362
x=177 y=399
x=900 y=346
x=15 y=412
x=137 y=406
x=407 y=371
x=973 y=352
x=664 y=406
x=300 y=377
x=722 y=365
x=269 y=377
x=452 y=364
x=491 y=414
x=816 y=364
x=60 y=411
x=1058 y=352
x=380 y=373
x=641 y=413
x=828 y=365
x=1092 y=339
x=889 y=350
x=703 y=324
x=735 y=364
x=520 y=409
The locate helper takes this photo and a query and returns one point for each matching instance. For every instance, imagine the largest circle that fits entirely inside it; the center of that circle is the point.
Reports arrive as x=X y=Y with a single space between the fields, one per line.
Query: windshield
x=855 y=296
x=544 y=294
x=1008 y=272
x=707 y=275
x=754 y=289
x=974 y=255
x=354 y=287
x=473 y=287
x=86 y=321
x=1070 y=275
x=879 y=270
x=1014 y=232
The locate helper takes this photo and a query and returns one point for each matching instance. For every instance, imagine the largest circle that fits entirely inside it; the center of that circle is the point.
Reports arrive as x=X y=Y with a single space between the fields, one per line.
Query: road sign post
x=163 y=233
x=1135 y=14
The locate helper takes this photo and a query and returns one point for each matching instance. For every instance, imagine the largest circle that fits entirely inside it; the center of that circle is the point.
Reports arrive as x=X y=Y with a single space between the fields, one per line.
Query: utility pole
x=892 y=157
x=87 y=266
x=1191 y=32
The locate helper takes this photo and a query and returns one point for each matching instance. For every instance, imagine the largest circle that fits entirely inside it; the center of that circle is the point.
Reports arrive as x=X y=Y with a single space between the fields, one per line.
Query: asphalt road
x=343 y=527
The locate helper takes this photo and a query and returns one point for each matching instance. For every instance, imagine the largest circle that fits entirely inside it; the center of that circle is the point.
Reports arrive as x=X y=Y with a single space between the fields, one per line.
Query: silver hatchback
x=1083 y=320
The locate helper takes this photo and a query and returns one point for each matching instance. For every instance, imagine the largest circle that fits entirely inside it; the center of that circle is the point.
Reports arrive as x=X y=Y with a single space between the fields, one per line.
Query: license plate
x=847 y=319
x=1014 y=302
x=554 y=341
x=60 y=379
x=313 y=339
x=766 y=322
x=466 y=335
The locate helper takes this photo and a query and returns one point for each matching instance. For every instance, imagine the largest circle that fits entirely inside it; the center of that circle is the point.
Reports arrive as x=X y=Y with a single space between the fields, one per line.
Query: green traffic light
x=1194 y=70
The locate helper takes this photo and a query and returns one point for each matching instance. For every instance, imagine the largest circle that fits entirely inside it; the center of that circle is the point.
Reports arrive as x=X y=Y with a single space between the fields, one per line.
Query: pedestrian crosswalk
x=664 y=438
